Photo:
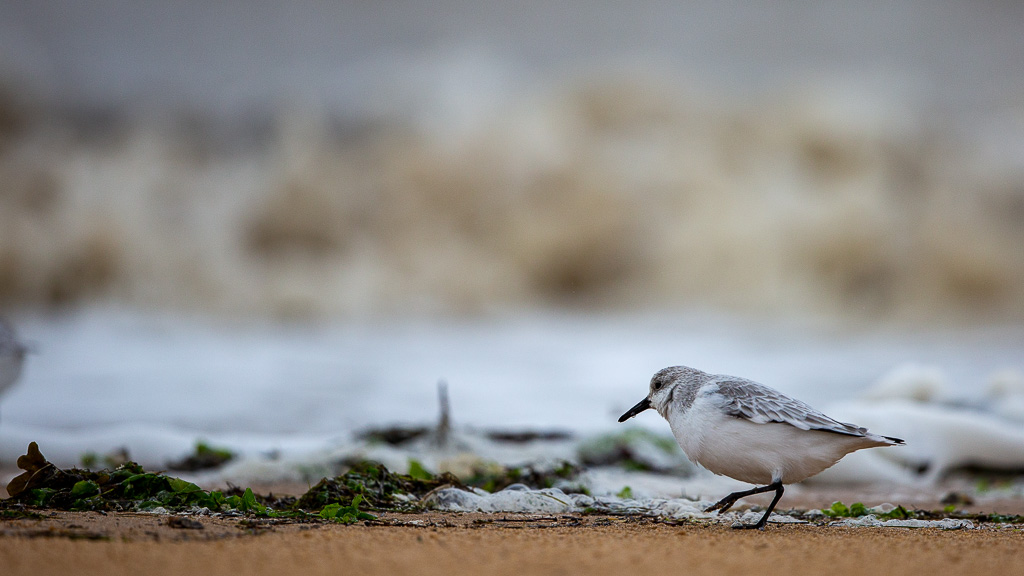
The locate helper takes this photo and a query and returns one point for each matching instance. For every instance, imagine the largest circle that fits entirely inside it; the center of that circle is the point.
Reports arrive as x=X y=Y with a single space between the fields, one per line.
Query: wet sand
x=453 y=544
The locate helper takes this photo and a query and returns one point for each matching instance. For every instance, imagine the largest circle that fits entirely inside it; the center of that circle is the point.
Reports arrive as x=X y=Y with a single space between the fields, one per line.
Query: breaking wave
x=626 y=191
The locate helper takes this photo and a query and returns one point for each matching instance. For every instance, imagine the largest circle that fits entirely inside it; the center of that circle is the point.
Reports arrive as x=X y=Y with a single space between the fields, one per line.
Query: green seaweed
x=20 y=514
x=367 y=484
x=840 y=510
x=377 y=486
x=204 y=457
x=857 y=509
x=126 y=487
x=897 y=513
x=417 y=471
x=345 y=514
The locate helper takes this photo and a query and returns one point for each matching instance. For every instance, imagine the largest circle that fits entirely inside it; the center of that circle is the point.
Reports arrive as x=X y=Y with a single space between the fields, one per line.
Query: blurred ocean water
x=613 y=194
x=104 y=379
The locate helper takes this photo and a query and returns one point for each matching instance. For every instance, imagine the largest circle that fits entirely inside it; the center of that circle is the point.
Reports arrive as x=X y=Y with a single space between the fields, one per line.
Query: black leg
x=727 y=502
x=764 y=519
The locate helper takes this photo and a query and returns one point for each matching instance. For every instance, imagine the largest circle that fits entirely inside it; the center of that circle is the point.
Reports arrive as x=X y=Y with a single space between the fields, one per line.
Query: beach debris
x=441 y=434
x=444 y=420
x=205 y=457
x=37 y=472
x=957 y=499
x=378 y=488
x=561 y=474
x=126 y=487
x=400 y=435
x=526 y=436
x=393 y=435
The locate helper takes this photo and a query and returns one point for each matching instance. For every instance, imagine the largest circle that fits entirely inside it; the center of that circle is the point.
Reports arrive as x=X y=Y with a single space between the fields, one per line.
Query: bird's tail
x=894 y=441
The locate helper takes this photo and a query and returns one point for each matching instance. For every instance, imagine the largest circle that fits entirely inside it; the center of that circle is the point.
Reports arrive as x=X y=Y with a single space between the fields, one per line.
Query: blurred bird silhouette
x=12 y=356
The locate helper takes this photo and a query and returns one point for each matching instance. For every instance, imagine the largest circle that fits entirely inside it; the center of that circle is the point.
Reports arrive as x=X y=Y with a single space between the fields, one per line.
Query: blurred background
x=279 y=219
x=342 y=159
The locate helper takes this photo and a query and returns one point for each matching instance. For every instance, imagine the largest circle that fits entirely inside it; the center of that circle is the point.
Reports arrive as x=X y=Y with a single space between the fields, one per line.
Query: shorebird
x=12 y=356
x=749 y=432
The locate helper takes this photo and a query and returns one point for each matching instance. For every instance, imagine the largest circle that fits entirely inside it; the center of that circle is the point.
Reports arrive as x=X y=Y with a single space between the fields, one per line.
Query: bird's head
x=660 y=392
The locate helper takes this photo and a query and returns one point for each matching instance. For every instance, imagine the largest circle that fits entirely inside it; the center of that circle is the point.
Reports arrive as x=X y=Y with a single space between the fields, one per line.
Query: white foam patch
x=939 y=436
x=519 y=498
x=872 y=521
x=910 y=381
x=752 y=517
x=515 y=498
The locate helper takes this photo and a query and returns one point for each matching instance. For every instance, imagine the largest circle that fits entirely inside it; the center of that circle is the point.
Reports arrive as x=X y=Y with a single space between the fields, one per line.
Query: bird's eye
x=657 y=385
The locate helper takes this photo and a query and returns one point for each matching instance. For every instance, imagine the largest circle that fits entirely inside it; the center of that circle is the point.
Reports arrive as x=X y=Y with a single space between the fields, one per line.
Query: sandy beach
x=49 y=541
x=452 y=544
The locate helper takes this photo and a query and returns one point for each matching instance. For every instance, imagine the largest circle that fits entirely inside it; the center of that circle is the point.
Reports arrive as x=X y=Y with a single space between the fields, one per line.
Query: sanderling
x=747 y=431
x=12 y=356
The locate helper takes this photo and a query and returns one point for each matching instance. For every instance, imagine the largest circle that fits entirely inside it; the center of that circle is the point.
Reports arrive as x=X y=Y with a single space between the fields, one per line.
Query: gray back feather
x=761 y=404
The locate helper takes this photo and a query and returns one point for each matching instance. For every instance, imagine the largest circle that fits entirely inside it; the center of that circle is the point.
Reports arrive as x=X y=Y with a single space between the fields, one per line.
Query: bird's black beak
x=642 y=405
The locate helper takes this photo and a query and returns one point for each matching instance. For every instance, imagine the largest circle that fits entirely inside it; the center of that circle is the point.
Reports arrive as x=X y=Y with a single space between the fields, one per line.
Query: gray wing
x=760 y=404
